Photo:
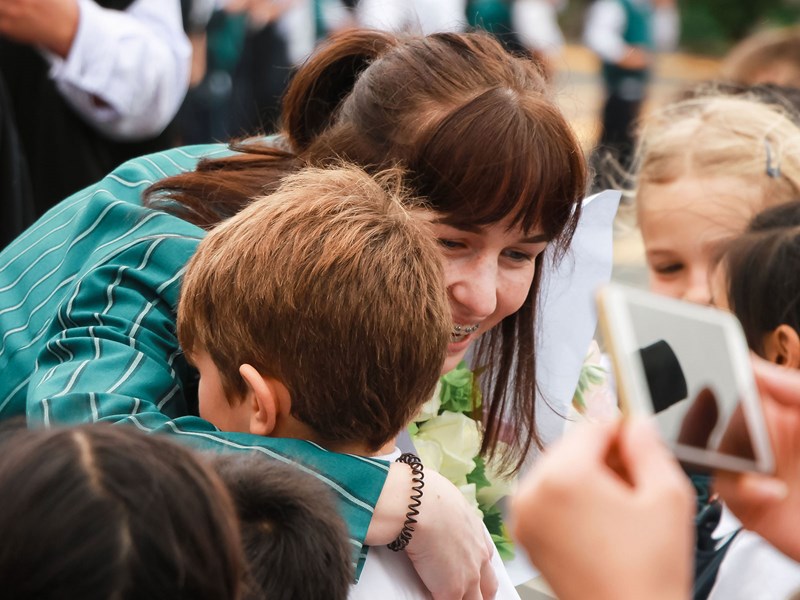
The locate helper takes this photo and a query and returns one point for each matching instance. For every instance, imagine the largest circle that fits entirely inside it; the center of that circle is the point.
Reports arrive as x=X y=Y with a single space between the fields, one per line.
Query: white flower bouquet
x=447 y=436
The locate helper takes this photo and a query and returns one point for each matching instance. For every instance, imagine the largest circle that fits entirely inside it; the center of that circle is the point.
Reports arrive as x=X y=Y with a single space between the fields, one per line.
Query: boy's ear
x=263 y=400
x=782 y=346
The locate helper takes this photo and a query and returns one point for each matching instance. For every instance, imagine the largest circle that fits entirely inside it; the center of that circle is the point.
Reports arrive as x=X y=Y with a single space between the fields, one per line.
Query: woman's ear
x=263 y=401
x=782 y=346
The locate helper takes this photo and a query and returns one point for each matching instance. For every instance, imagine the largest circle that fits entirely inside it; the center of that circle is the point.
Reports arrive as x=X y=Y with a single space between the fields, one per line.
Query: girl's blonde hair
x=721 y=136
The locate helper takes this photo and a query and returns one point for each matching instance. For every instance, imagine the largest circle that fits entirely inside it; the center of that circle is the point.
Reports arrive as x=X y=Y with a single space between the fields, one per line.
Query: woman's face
x=682 y=222
x=488 y=272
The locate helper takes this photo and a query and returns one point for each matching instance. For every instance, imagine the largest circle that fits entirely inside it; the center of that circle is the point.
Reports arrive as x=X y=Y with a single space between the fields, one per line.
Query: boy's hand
x=770 y=506
x=607 y=513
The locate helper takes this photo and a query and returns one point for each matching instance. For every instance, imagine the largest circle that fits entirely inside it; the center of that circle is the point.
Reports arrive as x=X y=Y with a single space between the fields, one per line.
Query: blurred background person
x=250 y=51
x=536 y=24
x=527 y=27
x=770 y=56
x=418 y=16
x=334 y=15
x=625 y=34
x=91 y=84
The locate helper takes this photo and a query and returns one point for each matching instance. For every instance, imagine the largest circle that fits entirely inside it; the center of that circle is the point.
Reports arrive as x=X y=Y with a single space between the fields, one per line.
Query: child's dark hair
x=295 y=543
x=101 y=511
x=761 y=267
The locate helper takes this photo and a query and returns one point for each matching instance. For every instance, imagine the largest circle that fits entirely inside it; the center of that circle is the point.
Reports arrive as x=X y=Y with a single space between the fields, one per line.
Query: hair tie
x=418 y=479
x=773 y=170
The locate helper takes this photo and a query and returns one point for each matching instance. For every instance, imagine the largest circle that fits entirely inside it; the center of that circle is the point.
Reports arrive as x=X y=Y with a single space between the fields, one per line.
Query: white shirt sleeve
x=439 y=15
x=603 y=30
x=666 y=28
x=535 y=22
x=127 y=71
x=386 y=15
x=298 y=29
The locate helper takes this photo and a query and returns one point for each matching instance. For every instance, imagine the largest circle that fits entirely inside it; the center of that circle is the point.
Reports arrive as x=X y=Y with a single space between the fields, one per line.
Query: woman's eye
x=449 y=244
x=518 y=256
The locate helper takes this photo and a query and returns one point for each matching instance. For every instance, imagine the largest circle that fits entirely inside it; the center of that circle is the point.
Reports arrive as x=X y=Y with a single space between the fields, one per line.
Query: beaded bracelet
x=418 y=479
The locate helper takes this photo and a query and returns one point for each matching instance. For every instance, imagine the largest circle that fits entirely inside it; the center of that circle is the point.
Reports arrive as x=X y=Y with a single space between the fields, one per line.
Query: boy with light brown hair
x=320 y=313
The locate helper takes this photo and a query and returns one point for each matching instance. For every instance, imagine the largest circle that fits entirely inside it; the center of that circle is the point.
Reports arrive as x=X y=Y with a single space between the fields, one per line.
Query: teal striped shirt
x=88 y=300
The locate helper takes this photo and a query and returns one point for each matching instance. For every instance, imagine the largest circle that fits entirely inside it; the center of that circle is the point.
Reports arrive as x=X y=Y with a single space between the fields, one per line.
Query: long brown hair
x=480 y=139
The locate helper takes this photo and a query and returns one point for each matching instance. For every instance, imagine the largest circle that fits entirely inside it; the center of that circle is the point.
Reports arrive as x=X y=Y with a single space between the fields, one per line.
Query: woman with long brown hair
x=89 y=292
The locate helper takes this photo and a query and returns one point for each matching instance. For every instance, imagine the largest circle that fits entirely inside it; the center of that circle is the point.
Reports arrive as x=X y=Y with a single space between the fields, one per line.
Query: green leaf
x=459 y=377
x=478 y=474
x=505 y=547
x=578 y=401
x=493 y=519
x=413 y=429
x=458 y=392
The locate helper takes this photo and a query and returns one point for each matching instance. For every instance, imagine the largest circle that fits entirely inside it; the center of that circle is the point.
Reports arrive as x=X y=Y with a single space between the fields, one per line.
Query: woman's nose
x=474 y=290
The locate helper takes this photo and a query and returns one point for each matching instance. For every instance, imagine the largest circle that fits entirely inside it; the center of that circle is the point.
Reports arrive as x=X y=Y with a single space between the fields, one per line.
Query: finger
x=489 y=584
x=750 y=488
x=644 y=454
x=584 y=447
x=586 y=442
x=782 y=383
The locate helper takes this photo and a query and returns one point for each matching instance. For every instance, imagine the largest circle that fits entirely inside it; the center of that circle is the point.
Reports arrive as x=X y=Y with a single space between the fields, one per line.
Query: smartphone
x=689 y=366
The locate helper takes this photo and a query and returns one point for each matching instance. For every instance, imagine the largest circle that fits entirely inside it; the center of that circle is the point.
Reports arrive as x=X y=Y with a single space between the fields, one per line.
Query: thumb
x=782 y=383
x=644 y=454
x=750 y=488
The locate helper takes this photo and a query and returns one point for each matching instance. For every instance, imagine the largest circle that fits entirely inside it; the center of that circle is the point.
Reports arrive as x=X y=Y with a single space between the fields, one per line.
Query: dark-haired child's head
x=98 y=512
x=318 y=312
x=295 y=543
x=757 y=279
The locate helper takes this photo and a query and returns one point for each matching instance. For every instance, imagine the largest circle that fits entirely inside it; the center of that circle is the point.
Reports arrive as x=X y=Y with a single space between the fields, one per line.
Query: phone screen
x=691 y=380
x=688 y=365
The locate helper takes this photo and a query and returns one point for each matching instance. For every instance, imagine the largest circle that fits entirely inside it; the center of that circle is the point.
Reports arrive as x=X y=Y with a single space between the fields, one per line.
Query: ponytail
x=325 y=80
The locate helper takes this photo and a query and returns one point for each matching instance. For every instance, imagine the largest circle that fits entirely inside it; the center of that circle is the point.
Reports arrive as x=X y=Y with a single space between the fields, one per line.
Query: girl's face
x=488 y=272
x=719 y=288
x=681 y=224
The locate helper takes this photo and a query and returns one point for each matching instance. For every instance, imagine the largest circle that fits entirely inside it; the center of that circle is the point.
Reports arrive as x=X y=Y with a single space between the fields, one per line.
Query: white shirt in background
x=136 y=62
x=417 y=16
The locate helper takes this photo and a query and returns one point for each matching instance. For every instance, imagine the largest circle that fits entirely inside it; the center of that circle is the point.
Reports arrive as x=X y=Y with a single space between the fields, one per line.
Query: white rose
x=468 y=491
x=458 y=438
x=430 y=453
x=431 y=408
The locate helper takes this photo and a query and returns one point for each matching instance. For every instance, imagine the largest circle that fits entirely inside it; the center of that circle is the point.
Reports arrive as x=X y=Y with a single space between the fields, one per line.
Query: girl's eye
x=668 y=269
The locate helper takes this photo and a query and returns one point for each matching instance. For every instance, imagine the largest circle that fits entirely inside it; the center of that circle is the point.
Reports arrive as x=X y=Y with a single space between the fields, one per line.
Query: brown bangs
x=503 y=155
